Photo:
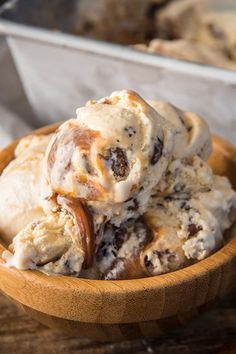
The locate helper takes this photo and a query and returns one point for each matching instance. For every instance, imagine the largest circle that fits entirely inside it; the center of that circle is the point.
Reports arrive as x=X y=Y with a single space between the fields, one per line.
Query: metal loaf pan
x=61 y=71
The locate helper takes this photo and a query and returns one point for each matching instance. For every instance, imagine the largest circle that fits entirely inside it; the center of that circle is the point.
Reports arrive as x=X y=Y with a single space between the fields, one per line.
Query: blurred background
x=57 y=54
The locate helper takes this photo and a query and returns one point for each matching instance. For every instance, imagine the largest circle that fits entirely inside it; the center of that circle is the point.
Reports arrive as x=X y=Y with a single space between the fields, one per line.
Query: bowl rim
x=116 y=301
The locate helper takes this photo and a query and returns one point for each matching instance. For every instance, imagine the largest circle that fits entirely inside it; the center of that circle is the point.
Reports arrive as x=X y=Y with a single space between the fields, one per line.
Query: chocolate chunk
x=177 y=196
x=161 y=254
x=119 y=162
x=111 y=245
x=101 y=251
x=119 y=237
x=193 y=229
x=168 y=198
x=157 y=151
x=67 y=263
x=157 y=254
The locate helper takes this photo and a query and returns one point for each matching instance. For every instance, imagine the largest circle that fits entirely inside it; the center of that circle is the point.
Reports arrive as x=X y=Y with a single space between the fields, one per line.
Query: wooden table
x=212 y=333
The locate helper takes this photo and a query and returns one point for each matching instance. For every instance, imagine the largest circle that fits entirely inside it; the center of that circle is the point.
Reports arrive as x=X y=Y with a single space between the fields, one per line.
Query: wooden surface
x=212 y=333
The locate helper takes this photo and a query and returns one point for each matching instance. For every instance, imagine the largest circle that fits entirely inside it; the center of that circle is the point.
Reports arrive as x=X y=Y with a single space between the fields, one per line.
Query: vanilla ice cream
x=111 y=156
x=20 y=187
x=188 y=215
x=192 y=135
x=123 y=191
x=48 y=245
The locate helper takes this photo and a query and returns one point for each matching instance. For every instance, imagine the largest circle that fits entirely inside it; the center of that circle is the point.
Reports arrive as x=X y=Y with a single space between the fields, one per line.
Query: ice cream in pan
x=123 y=191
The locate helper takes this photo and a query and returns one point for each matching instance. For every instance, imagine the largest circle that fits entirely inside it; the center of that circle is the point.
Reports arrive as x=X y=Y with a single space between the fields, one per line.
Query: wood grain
x=102 y=309
x=214 y=332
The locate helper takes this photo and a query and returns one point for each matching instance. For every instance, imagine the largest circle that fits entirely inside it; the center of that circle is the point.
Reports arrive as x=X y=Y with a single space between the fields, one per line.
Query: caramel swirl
x=84 y=224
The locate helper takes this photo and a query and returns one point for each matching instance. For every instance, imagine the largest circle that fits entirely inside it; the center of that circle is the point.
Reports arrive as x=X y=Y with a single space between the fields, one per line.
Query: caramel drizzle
x=82 y=138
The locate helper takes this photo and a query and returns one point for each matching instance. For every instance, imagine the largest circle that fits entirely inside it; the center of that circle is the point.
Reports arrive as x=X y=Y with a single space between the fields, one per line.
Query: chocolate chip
x=134 y=206
x=178 y=187
x=130 y=130
x=114 y=253
x=178 y=196
x=157 y=254
x=185 y=206
x=147 y=262
x=88 y=166
x=67 y=263
x=193 y=229
x=157 y=151
x=101 y=251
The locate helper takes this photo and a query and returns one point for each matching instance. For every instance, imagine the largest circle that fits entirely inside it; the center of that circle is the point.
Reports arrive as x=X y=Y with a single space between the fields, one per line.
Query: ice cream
x=111 y=156
x=20 y=187
x=192 y=135
x=188 y=216
x=118 y=253
x=48 y=245
x=124 y=191
x=218 y=30
x=179 y=19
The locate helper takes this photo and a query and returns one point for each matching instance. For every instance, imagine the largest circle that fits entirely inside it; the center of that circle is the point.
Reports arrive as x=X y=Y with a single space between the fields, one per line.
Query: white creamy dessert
x=48 y=245
x=112 y=155
x=123 y=191
x=188 y=214
x=20 y=187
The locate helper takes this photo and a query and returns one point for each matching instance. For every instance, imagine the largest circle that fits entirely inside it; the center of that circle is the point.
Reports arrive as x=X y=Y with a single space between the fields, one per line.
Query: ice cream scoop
x=51 y=244
x=192 y=136
x=116 y=150
x=123 y=192
x=187 y=216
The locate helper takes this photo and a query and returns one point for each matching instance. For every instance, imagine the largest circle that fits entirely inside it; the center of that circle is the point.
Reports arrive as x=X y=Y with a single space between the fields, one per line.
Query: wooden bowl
x=125 y=309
